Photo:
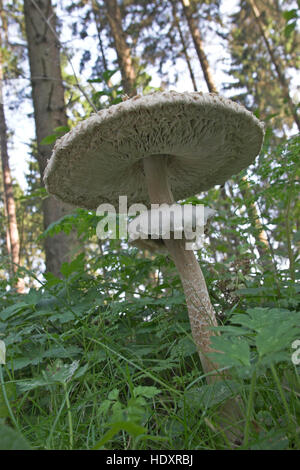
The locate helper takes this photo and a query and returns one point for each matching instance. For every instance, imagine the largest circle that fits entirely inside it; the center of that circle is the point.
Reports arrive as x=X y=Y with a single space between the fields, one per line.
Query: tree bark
x=49 y=113
x=122 y=49
x=12 y=234
x=280 y=74
x=198 y=43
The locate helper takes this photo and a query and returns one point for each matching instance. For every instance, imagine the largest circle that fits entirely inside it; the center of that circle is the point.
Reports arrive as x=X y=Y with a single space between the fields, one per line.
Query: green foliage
x=291 y=17
x=58 y=132
x=132 y=382
x=11 y=440
x=258 y=338
x=256 y=81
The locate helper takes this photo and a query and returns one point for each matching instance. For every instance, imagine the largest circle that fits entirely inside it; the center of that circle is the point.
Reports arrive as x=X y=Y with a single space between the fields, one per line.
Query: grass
x=123 y=384
x=90 y=368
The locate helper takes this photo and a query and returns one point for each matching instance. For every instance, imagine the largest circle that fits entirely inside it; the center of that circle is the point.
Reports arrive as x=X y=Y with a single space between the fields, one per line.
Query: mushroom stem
x=200 y=310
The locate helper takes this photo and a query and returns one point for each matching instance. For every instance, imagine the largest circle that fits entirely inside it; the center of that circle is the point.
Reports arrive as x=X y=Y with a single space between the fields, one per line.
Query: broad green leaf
x=51 y=279
x=210 y=395
x=148 y=392
x=62 y=130
x=12 y=440
x=132 y=429
x=59 y=373
x=289 y=29
x=49 y=140
x=290 y=14
x=76 y=265
x=271 y=440
x=233 y=351
x=12 y=310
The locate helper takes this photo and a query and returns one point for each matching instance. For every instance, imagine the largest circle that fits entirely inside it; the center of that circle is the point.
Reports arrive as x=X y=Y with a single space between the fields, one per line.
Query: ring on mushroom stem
x=160 y=148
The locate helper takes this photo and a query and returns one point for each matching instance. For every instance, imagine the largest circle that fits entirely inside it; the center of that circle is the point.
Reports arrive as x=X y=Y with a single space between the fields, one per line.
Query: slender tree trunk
x=49 y=112
x=122 y=49
x=184 y=47
x=198 y=43
x=12 y=233
x=280 y=74
x=97 y=19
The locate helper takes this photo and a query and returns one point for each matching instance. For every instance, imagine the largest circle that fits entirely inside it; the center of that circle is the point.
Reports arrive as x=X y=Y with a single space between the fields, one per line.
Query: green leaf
x=62 y=130
x=288 y=15
x=12 y=440
x=12 y=310
x=49 y=140
x=147 y=392
x=58 y=373
x=76 y=265
x=211 y=395
x=51 y=279
x=114 y=394
x=289 y=29
x=271 y=440
x=59 y=132
x=133 y=429
x=233 y=351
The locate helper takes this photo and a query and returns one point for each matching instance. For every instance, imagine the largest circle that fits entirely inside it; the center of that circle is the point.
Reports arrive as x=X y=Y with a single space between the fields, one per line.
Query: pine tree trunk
x=49 y=112
x=184 y=47
x=97 y=19
x=12 y=234
x=122 y=49
x=280 y=73
x=198 y=43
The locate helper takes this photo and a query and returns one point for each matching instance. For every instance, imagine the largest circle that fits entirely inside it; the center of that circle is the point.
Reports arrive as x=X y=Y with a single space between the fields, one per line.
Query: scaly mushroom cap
x=204 y=137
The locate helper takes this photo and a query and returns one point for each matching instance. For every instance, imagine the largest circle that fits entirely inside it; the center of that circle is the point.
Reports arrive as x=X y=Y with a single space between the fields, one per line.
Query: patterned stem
x=200 y=309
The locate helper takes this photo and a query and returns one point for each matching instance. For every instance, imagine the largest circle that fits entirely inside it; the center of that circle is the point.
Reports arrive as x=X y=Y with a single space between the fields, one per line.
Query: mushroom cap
x=204 y=137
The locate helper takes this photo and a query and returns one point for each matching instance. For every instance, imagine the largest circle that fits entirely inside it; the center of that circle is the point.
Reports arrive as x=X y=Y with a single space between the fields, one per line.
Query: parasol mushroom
x=156 y=149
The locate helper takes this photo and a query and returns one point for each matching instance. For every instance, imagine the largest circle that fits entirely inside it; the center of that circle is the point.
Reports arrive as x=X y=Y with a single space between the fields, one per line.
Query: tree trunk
x=198 y=43
x=97 y=19
x=122 y=48
x=49 y=112
x=280 y=74
x=184 y=47
x=12 y=234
